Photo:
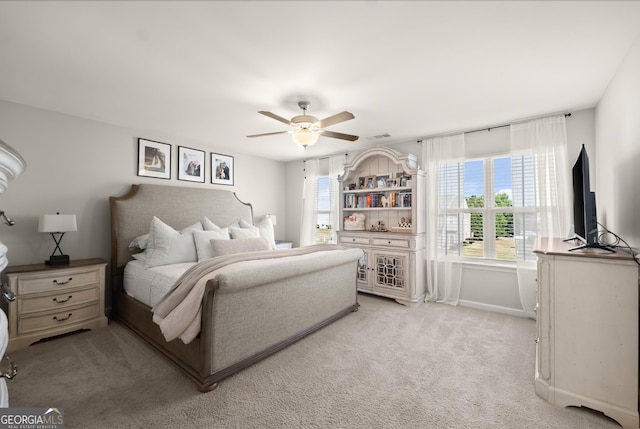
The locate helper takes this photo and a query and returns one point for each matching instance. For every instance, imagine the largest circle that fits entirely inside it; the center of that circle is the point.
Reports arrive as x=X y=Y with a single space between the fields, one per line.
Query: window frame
x=489 y=212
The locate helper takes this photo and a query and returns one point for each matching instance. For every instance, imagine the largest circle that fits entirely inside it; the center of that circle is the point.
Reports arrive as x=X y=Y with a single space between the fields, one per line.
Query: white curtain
x=336 y=168
x=546 y=140
x=308 y=221
x=444 y=277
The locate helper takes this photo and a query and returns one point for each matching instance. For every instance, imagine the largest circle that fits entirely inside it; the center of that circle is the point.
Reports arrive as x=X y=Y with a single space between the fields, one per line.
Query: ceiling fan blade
x=338 y=135
x=276 y=117
x=268 y=134
x=335 y=119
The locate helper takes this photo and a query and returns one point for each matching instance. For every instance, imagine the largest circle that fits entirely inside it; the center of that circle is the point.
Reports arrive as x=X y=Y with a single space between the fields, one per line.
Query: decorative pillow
x=210 y=226
x=265 y=228
x=139 y=256
x=240 y=245
x=244 y=232
x=203 y=244
x=168 y=246
x=139 y=242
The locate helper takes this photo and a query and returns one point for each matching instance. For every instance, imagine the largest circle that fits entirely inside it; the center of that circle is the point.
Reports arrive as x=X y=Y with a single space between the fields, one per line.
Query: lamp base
x=58 y=260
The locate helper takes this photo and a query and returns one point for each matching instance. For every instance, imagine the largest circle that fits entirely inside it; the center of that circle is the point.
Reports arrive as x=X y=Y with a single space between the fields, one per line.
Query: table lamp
x=57 y=225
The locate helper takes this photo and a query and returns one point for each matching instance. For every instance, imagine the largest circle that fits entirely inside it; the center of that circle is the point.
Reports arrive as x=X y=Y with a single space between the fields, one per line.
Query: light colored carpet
x=385 y=366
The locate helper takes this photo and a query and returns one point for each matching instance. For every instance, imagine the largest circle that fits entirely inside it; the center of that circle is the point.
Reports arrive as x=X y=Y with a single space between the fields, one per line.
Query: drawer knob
x=60 y=301
x=62 y=319
x=389 y=242
x=63 y=282
x=353 y=239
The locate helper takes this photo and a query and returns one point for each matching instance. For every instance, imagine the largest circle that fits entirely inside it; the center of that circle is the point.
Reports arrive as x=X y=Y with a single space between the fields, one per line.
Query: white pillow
x=210 y=226
x=252 y=232
x=265 y=229
x=168 y=246
x=140 y=242
x=230 y=247
x=203 y=241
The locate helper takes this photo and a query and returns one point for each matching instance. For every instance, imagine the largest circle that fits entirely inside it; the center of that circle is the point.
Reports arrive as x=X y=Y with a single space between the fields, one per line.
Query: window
x=501 y=226
x=325 y=194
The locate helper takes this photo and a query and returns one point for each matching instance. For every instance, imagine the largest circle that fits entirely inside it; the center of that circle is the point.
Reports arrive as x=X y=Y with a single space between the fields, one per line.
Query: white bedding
x=149 y=285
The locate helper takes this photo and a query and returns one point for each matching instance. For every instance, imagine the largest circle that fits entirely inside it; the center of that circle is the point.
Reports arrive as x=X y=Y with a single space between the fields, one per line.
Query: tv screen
x=585 y=221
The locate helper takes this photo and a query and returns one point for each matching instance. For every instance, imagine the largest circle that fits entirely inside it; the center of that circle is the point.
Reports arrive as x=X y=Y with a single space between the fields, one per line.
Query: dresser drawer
x=354 y=240
x=393 y=242
x=58 y=300
x=37 y=283
x=57 y=319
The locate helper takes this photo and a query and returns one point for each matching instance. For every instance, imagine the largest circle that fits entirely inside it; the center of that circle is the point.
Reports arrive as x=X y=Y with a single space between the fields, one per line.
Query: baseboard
x=495 y=308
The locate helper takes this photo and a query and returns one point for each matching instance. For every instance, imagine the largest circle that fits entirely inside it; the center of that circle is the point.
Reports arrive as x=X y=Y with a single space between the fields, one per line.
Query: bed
x=249 y=305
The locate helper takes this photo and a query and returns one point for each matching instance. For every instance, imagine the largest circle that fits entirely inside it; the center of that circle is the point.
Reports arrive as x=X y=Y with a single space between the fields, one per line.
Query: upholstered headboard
x=176 y=206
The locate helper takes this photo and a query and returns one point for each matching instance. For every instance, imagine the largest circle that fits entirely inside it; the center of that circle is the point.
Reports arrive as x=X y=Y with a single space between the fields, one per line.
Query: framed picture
x=154 y=159
x=405 y=179
x=381 y=180
x=221 y=169
x=370 y=182
x=361 y=181
x=190 y=164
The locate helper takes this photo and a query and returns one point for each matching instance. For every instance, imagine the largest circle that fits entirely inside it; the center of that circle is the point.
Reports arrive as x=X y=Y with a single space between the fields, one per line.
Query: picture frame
x=154 y=159
x=191 y=164
x=370 y=182
x=222 y=169
x=361 y=182
x=381 y=180
x=405 y=179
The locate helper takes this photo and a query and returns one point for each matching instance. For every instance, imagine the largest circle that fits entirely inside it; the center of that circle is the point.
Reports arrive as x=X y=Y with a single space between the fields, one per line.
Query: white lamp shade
x=305 y=138
x=57 y=223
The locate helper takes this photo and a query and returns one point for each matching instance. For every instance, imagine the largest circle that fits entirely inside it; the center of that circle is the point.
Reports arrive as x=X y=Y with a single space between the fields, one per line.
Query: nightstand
x=281 y=244
x=53 y=300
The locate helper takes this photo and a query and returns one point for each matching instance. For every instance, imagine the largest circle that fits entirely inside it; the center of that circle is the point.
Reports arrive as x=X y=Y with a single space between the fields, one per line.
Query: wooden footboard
x=193 y=358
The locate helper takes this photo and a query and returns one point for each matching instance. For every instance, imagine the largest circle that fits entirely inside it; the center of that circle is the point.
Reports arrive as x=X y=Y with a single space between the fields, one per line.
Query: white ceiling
x=201 y=70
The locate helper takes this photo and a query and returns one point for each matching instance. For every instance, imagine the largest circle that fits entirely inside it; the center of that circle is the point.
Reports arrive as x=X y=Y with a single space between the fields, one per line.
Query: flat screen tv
x=585 y=221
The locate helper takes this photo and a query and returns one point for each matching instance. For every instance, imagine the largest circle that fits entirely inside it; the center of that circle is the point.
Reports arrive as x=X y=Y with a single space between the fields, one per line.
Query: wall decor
x=221 y=169
x=154 y=159
x=190 y=164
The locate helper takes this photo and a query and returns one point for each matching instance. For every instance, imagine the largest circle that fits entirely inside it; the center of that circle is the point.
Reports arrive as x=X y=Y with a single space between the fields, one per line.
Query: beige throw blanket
x=179 y=313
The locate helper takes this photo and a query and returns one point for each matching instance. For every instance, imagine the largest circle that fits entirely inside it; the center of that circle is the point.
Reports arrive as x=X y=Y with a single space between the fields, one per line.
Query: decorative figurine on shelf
x=379 y=227
x=384 y=201
x=405 y=222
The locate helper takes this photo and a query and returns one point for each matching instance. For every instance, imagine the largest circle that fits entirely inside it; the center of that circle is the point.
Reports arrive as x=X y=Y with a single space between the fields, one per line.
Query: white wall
x=74 y=165
x=618 y=151
x=493 y=288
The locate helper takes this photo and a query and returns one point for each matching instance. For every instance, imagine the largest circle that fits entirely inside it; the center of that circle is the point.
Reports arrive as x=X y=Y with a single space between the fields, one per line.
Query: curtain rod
x=566 y=115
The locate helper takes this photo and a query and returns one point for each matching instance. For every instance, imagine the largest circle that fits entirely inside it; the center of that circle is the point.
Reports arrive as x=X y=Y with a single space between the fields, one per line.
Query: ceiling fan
x=306 y=129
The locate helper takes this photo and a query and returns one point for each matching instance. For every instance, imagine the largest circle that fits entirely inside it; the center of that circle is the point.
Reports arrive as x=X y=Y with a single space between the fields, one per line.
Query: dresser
x=53 y=300
x=587 y=330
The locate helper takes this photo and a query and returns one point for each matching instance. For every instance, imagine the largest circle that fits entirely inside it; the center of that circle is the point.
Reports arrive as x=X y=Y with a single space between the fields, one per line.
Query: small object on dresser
x=354 y=222
x=403 y=226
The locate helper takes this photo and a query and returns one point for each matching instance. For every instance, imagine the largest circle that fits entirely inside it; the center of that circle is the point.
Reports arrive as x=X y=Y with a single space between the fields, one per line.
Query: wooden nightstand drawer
x=57 y=319
x=58 y=300
x=48 y=282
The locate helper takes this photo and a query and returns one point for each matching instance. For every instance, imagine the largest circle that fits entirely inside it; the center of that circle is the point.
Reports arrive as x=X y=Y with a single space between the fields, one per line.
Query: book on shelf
x=378 y=200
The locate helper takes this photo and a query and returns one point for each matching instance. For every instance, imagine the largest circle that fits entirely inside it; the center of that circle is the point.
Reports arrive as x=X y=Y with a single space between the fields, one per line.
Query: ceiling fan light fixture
x=305 y=138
